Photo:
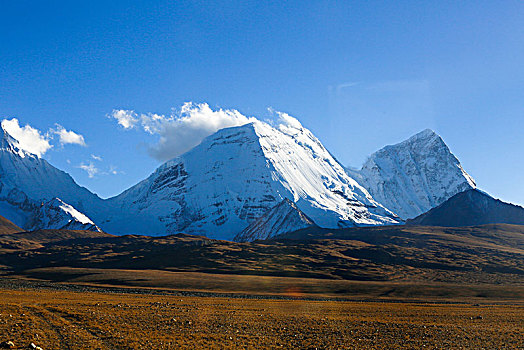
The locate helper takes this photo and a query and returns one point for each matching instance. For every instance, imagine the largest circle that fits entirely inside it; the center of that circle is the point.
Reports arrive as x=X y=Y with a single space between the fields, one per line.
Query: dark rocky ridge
x=469 y=208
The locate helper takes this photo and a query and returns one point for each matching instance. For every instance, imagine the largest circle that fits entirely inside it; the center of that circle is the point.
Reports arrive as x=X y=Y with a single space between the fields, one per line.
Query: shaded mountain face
x=413 y=176
x=470 y=208
x=28 y=182
x=235 y=176
x=284 y=217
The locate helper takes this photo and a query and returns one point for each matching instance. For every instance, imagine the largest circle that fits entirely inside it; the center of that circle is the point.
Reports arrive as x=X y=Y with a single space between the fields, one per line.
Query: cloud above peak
x=29 y=139
x=68 y=136
x=35 y=141
x=182 y=130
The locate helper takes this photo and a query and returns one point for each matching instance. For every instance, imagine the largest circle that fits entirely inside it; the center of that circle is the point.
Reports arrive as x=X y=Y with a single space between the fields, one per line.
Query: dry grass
x=68 y=320
x=282 y=286
x=491 y=254
x=7 y=227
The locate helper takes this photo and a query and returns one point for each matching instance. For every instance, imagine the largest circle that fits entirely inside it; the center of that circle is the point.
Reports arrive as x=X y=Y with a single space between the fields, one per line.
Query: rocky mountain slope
x=55 y=214
x=284 y=217
x=469 y=208
x=7 y=227
x=413 y=176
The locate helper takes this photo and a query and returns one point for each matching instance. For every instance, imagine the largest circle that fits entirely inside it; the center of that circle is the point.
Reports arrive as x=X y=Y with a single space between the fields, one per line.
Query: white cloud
x=68 y=136
x=89 y=168
x=284 y=122
x=95 y=157
x=92 y=171
x=183 y=130
x=29 y=138
x=126 y=118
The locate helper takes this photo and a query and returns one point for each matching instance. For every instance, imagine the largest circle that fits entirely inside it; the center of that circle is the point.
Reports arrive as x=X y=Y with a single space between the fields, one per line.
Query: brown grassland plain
x=65 y=319
x=364 y=288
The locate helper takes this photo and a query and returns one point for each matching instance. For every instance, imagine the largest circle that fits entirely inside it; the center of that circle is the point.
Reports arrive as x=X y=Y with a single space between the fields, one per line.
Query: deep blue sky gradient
x=358 y=74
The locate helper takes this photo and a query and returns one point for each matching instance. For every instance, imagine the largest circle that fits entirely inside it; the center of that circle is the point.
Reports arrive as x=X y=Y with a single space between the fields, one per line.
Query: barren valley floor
x=77 y=317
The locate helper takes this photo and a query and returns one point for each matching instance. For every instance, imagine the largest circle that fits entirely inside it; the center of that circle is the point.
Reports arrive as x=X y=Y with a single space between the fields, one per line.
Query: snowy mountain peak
x=415 y=175
x=422 y=140
x=283 y=218
x=424 y=134
x=27 y=181
x=236 y=175
x=10 y=144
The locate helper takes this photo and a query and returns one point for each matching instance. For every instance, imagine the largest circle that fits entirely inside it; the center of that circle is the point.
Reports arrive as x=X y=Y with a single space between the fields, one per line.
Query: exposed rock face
x=471 y=208
x=283 y=218
x=235 y=176
x=413 y=176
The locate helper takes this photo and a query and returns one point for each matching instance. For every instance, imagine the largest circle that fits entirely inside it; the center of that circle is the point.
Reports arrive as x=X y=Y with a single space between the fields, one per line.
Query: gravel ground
x=56 y=316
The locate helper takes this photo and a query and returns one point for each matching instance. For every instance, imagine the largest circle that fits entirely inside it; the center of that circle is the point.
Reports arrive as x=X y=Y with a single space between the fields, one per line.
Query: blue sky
x=358 y=74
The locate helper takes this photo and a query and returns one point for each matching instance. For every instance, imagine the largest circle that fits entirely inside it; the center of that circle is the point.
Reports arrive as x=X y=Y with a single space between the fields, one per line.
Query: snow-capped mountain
x=413 y=176
x=283 y=218
x=235 y=176
x=28 y=183
x=251 y=181
x=55 y=214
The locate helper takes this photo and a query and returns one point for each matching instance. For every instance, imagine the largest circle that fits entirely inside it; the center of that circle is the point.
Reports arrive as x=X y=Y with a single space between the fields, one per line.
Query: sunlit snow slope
x=55 y=214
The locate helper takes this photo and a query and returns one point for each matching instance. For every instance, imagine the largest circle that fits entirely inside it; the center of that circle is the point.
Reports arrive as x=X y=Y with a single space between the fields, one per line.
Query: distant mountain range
x=247 y=182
